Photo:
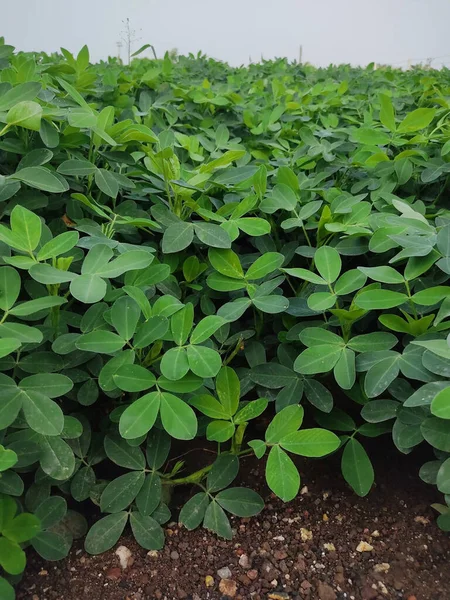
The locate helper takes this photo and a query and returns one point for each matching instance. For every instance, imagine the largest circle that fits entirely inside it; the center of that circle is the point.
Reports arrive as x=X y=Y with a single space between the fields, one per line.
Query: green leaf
x=372 y=342
x=181 y=324
x=8 y=345
x=42 y=414
x=223 y=472
x=177 y=417
x=357 y=468
x=149 y=497
x=8 y=458
x=437 y=433
x=193 y=512
x=380 y=376
x=310 y=442
x=216 y=520
x=440 y=406
x=155 y=328
x=52 y=546
x=104 y=342
x=240 y=501
x=6 y=590
x=61 y=244
x=121 y=453
x=147 y=532
x=379 y=299
x=265 y=264
x=88 y=288
x=19 y=93
x=378 y=411
x=206 y=328
x=50 y=512
x=121 y=492
x=282 y=475
x=328 y=263
x=177 y=237
x=285 y=422
x=26 y=114
x=251 y=411
x=220 y=431
x=306 y=275
x=27 y=226
x=209 y=406
x=82 y=484
x=228 y=389
x=41 y=179
x=212 y=235
x=52 y=385
x=387 y=116
x=134 y=378
x=203 y=361
x=105 y=533
x=12 y=557
x=32 y=307
x=349 y=282
x=317 y=359
x=57 y=459
x=77 y=168
x=138 y=418
x=226 y=262
x=10 y=283
x=416 y=120
x=344 y=370
x=174 y=364
x=370 y=137
x=158 y=448
x=383 y=274
x=107 y=183
x=125 y=315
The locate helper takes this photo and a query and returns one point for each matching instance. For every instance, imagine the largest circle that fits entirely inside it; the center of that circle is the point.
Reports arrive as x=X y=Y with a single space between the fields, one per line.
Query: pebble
x=325 y=592
x=252 y=574
x=209 y=581
x=153 y=553
x=224 y=573
x=278 y=596
x=114 y=573
x=382 y=568
x=364 y=547
x=228 y=587
x=125 y=557
x=306 y=534
x=244 y=561
x=330 y=547
x=174 y=555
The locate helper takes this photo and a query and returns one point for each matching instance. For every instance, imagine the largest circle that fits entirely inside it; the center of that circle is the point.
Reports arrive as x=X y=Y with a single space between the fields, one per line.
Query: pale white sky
x=331 y=31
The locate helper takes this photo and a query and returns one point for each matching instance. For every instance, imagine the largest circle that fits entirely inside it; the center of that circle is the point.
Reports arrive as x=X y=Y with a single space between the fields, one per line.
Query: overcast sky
x=331 y=31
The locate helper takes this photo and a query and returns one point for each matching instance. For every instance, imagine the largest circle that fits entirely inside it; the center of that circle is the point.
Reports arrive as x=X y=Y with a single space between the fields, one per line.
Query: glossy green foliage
x=187 y=249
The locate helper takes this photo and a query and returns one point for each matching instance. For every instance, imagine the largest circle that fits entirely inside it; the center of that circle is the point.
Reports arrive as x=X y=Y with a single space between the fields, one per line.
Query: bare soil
x=307 y=549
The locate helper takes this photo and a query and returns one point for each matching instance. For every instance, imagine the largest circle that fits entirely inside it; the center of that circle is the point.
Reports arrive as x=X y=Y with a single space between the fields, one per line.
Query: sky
x=330 y=31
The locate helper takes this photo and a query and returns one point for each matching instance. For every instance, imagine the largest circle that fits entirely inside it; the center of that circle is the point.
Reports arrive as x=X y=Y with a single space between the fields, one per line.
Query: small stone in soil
x=244 y=561
x=174 y=555
x=305 y=534
x=382 y=568
x=228 y=587
x=364 y=547
x=125 y=557
x=325 y=592
x=209 y=581
x=224 y=573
